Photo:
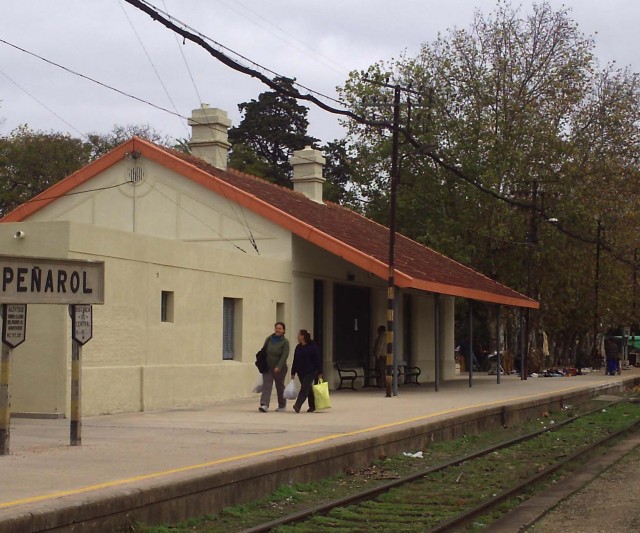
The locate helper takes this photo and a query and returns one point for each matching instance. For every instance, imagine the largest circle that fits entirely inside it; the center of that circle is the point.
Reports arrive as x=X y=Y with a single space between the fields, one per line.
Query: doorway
x=352 y=324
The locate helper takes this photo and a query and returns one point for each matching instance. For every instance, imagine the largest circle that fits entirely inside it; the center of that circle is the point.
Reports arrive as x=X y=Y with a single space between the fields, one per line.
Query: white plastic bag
x=291 y=392
x=258 y=386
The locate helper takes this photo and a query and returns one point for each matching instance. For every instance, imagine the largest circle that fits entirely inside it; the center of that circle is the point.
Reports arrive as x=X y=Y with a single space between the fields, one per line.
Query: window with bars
x=228 y=328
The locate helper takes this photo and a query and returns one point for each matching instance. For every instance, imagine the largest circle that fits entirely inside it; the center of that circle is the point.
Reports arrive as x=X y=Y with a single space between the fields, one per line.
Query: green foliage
x=515 y=123
x=31 y=161
x=338 y=172
x=103 y=143
x=272 y=127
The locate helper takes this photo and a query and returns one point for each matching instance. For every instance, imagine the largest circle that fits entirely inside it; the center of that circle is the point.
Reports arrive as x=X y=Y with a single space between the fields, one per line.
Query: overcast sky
x=318 y=43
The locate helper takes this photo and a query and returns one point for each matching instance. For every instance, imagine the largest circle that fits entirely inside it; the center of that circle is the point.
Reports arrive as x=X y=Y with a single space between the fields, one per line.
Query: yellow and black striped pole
x=392 y=238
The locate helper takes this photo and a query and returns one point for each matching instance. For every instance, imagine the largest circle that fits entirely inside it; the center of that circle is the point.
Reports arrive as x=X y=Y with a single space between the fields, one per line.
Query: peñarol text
x=37 y=280
x=33 y=280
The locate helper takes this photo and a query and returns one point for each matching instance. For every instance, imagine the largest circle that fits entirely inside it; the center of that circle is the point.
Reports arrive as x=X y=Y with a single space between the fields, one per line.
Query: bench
x=350 y=371
x=409 y=374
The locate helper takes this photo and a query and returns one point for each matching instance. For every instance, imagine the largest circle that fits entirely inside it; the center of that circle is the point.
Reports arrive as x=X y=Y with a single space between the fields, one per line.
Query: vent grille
x=136 y=175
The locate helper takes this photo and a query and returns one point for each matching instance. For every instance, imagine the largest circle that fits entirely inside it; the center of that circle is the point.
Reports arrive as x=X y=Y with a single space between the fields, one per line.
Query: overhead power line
x=43 y=104
x=153 y=66
x=183 y=29
x=180 y=28
x=102 y=84
x=186 y=64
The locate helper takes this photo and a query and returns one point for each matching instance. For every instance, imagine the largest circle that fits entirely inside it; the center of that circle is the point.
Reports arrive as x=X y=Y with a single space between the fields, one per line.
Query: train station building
x=201 y=260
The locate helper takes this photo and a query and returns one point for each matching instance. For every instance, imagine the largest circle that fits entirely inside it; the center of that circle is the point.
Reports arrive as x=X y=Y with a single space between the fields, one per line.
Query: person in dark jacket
x=613 y=356
x=307 y=364
x=277 y=346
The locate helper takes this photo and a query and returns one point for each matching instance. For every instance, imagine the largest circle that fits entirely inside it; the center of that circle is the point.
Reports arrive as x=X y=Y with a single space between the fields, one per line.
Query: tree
x=338 y=172
x=103 y=143
x=31 y=161
x=272 y=127
x=516 y=124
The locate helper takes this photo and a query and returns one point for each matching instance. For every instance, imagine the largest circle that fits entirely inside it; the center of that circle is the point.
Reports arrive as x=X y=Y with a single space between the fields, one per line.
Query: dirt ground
x=609 y=504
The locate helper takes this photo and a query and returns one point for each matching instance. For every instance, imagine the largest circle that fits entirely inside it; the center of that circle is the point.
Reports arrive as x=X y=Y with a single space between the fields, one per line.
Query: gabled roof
x=336 y=229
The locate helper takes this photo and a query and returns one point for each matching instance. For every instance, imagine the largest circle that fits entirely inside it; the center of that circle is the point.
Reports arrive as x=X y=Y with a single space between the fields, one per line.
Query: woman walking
x=307 y=364
x=277 y=346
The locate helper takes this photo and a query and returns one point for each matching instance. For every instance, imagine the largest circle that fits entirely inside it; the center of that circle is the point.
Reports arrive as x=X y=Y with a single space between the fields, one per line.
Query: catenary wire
x=184 y=59
x=43 y=105
x=153 y=66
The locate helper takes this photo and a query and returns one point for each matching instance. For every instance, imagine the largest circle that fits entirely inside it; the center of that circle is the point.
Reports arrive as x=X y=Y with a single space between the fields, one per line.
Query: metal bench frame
x=349 y=371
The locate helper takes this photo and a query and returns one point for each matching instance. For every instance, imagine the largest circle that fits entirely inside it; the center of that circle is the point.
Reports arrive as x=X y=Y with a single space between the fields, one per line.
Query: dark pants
x=382 y=370
x=306 y=391
x=269 y=378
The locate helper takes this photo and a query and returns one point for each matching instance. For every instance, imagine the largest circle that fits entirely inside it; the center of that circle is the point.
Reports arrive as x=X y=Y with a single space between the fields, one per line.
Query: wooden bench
x=350 y=371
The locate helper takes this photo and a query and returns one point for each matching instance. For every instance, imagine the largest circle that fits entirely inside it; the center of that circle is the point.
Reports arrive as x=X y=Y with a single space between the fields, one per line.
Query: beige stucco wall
x=134 y=361
x=169 y=206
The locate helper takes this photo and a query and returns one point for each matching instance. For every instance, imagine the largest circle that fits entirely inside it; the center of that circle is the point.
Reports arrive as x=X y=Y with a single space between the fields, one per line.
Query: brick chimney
x=209 y=135
x=307 y=173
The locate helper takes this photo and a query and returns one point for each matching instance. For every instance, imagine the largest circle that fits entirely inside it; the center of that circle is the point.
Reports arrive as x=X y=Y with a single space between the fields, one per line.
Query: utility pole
x=532 y=239
x=395 y=177
x=596 y=315
x=392 y=363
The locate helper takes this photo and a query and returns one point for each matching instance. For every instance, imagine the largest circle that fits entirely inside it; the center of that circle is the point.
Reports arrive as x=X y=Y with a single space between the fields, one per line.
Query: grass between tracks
x=480 y=480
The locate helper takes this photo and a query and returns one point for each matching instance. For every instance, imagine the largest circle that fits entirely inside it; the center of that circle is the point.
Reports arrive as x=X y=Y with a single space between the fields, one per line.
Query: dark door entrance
x=352 y=324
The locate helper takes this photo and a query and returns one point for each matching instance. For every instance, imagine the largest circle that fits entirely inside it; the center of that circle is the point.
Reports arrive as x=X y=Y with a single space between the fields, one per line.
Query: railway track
x=470 y=492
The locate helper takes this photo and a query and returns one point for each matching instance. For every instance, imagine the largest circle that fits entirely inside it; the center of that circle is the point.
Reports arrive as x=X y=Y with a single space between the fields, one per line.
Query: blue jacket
x=307 y=360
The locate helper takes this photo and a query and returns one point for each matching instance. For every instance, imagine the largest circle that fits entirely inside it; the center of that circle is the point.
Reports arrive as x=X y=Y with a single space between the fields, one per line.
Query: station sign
x=82 y=325
x=27 y=280
x=14 y=324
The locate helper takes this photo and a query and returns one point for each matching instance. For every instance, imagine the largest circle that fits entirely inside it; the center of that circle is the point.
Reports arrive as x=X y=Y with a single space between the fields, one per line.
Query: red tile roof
x=334 y=228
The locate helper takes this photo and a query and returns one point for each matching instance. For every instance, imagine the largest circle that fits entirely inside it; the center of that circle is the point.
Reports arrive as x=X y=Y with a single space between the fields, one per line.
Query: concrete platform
x=164 y=466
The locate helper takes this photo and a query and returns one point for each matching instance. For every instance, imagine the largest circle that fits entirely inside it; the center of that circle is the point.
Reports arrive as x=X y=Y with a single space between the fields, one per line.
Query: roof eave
x=260 y=207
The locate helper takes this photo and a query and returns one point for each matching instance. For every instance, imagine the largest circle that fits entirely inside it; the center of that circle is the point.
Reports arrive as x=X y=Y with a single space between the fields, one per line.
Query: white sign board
x=14 y=324
x=27 y=280
x=82 y=326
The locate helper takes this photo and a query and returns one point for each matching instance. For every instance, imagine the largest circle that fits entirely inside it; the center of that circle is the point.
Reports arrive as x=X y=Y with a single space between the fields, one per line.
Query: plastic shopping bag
x=258 y=386
x=291 y=391
x=321 y=395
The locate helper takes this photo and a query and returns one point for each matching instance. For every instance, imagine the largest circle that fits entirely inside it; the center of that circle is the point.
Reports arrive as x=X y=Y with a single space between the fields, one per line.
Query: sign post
x=14 y=325
x=38 y=280
x=81 y=333
x=5 y=405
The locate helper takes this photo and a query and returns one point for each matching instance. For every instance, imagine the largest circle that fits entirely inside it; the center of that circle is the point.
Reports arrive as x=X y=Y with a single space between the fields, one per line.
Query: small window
x=166 y=306
x=228 y=328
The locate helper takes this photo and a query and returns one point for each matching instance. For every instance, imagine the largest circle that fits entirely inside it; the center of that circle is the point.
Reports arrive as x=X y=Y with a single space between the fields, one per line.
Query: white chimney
x=209 y=135
x=307 y=173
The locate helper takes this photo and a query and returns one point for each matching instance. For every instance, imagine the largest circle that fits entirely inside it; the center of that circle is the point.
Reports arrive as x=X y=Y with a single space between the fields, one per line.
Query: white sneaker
x=281 y=408
x=263 y=408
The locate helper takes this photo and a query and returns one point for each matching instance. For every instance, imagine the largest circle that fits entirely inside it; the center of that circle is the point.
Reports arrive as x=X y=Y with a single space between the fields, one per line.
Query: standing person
x=307 y=363
x=277 y=346
x=611 y=353
x=380 y=355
